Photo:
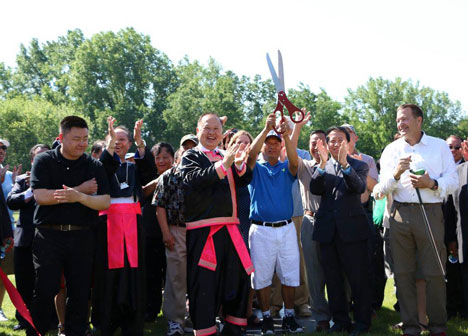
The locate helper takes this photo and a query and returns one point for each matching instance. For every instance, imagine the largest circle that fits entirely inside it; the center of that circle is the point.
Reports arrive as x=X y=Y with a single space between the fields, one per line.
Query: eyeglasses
x=455 y=147
x=3 y=147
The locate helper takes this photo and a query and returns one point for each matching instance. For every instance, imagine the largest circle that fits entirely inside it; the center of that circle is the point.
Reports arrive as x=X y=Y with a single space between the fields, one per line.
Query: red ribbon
x=122 y=234
x=17 y=300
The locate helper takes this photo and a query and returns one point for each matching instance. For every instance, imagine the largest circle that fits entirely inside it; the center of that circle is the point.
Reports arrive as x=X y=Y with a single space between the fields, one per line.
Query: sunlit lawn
x=381 y=326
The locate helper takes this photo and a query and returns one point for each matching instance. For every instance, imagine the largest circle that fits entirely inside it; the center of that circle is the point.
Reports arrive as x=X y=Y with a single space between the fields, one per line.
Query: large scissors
x=282 y=99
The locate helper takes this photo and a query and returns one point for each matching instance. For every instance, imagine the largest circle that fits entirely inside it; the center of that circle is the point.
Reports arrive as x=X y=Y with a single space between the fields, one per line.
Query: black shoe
x=290 y=324
x=19 y=327
x=268 y=327
x=231 y=330
x=357 y=332
x=338 y=328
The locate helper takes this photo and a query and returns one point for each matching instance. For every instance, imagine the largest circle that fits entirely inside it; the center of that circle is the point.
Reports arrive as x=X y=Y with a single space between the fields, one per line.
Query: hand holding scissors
x=282 y=99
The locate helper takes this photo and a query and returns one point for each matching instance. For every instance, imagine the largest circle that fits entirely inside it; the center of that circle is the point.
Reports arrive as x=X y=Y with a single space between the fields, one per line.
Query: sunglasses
x=3 y=147
x=455 y=147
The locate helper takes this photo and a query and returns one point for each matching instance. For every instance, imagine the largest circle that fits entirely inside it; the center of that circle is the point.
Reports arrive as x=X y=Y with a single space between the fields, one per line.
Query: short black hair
x=156 y=149
x=69 y=122
x=415 y=109
x=318 y=131
x=338 y=129
x=33 y=149
x=98 y=146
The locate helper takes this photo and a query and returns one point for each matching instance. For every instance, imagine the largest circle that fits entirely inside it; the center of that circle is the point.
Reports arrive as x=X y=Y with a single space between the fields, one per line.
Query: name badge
x=123 y=185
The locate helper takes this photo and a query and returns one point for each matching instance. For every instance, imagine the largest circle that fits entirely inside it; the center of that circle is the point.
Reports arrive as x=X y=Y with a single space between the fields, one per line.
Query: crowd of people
x=228 y=222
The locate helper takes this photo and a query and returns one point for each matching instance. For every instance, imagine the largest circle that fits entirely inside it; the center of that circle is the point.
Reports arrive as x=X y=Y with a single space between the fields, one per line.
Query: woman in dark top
x=243 y=211
x=154 y=247
x=118 y=298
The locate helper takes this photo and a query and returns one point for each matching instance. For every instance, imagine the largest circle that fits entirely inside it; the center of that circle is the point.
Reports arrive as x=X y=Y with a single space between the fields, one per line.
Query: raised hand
x=229 y=156
x=270 y=122
x=284 y=127
x=307 y=117
x=110 y=127
x=242 y=154
x=16 y=171
x=3 y=173
x=137 y=132
x=342 y=154
x=464 y=149
x=323 y=153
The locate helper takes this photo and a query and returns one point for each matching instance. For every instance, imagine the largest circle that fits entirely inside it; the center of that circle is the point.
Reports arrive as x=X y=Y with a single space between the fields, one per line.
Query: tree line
x=122 y=74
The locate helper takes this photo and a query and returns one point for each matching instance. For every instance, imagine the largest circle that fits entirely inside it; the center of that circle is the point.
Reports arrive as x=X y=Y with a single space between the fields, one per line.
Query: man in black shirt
x=63 y=218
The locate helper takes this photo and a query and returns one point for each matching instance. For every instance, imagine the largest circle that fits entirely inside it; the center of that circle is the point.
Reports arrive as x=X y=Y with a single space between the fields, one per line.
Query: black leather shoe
x=338 y=328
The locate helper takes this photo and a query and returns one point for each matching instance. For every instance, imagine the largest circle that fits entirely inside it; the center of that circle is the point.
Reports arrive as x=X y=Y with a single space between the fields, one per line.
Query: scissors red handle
x=292 y=109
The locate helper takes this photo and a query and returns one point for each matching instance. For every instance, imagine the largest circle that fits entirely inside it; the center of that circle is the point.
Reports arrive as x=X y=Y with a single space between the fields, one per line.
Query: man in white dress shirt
x=408 y=237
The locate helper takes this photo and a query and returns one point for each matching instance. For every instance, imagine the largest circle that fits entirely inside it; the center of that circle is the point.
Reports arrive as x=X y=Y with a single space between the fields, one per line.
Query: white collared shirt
x=434 y=156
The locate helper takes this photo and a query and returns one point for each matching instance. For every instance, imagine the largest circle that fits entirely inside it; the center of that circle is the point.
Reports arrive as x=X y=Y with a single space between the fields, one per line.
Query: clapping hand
x=323 y=153
x=3 y=173
x=242 y=154
x=16 y=171
x=343 y=154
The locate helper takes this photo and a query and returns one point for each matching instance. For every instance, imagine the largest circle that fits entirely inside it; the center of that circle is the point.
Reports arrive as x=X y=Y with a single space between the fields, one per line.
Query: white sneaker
x=3 y=318
x=174 y=329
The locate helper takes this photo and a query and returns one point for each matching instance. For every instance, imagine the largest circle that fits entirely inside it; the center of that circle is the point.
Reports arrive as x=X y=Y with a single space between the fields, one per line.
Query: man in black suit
x=342 y=229
x=21 y=198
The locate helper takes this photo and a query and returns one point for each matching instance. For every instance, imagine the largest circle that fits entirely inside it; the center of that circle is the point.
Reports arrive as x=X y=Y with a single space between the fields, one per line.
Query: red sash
x=17 y=300
x=208 y=256
x=122 y=234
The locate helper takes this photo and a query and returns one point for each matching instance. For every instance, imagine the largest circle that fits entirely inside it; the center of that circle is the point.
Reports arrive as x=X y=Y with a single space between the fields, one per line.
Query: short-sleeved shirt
x=50 y=171
x=7 y=185
x=305 y=170
x=271 y=192
x=169 y=194
x=296 y=193
x=372 y=173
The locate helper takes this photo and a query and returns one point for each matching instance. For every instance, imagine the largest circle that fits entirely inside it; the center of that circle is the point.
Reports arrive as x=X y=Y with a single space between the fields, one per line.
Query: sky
x=334 y=44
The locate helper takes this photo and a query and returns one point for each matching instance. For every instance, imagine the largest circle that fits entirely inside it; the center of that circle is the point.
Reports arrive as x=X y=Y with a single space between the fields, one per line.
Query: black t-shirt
x=50 y=171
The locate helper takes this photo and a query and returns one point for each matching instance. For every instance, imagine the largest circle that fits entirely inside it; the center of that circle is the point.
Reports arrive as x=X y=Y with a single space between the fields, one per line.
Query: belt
x=63 y=227
x=309 y=213
x=274 y=224
x=416 y=204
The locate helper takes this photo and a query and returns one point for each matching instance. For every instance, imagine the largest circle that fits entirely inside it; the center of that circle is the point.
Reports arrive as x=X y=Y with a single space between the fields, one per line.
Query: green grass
x=381 y=325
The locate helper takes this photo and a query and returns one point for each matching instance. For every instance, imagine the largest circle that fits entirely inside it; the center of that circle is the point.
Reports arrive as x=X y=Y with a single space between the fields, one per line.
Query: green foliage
x=123 y=75
x=371 y=109
x=26 y=122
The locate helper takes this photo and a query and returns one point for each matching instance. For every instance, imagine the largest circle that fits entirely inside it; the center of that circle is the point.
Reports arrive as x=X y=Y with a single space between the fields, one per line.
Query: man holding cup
x=433 y=173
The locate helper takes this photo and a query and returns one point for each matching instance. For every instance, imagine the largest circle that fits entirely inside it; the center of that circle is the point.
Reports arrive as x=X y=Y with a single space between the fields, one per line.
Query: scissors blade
x=280 y=71
x=273 y=74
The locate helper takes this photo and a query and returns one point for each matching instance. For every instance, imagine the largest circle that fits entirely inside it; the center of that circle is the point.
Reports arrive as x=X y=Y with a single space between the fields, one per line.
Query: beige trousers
x=410 y=245
x=175 y=289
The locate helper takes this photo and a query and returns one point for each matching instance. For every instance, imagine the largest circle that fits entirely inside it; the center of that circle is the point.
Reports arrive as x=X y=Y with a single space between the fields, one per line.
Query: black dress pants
x=24 y=276
x=352 y=260
x=72 y=252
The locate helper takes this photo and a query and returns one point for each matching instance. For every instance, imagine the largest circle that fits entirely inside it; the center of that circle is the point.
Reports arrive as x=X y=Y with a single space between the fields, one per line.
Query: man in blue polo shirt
x=272 y=237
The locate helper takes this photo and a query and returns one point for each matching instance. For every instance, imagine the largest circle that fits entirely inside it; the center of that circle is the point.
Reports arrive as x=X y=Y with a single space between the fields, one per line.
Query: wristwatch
x=435 y=186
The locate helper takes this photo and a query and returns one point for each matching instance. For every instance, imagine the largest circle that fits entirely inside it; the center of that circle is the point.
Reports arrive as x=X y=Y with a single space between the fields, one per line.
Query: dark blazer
x=340 y=210
x=6 y=230
x=24 y=231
